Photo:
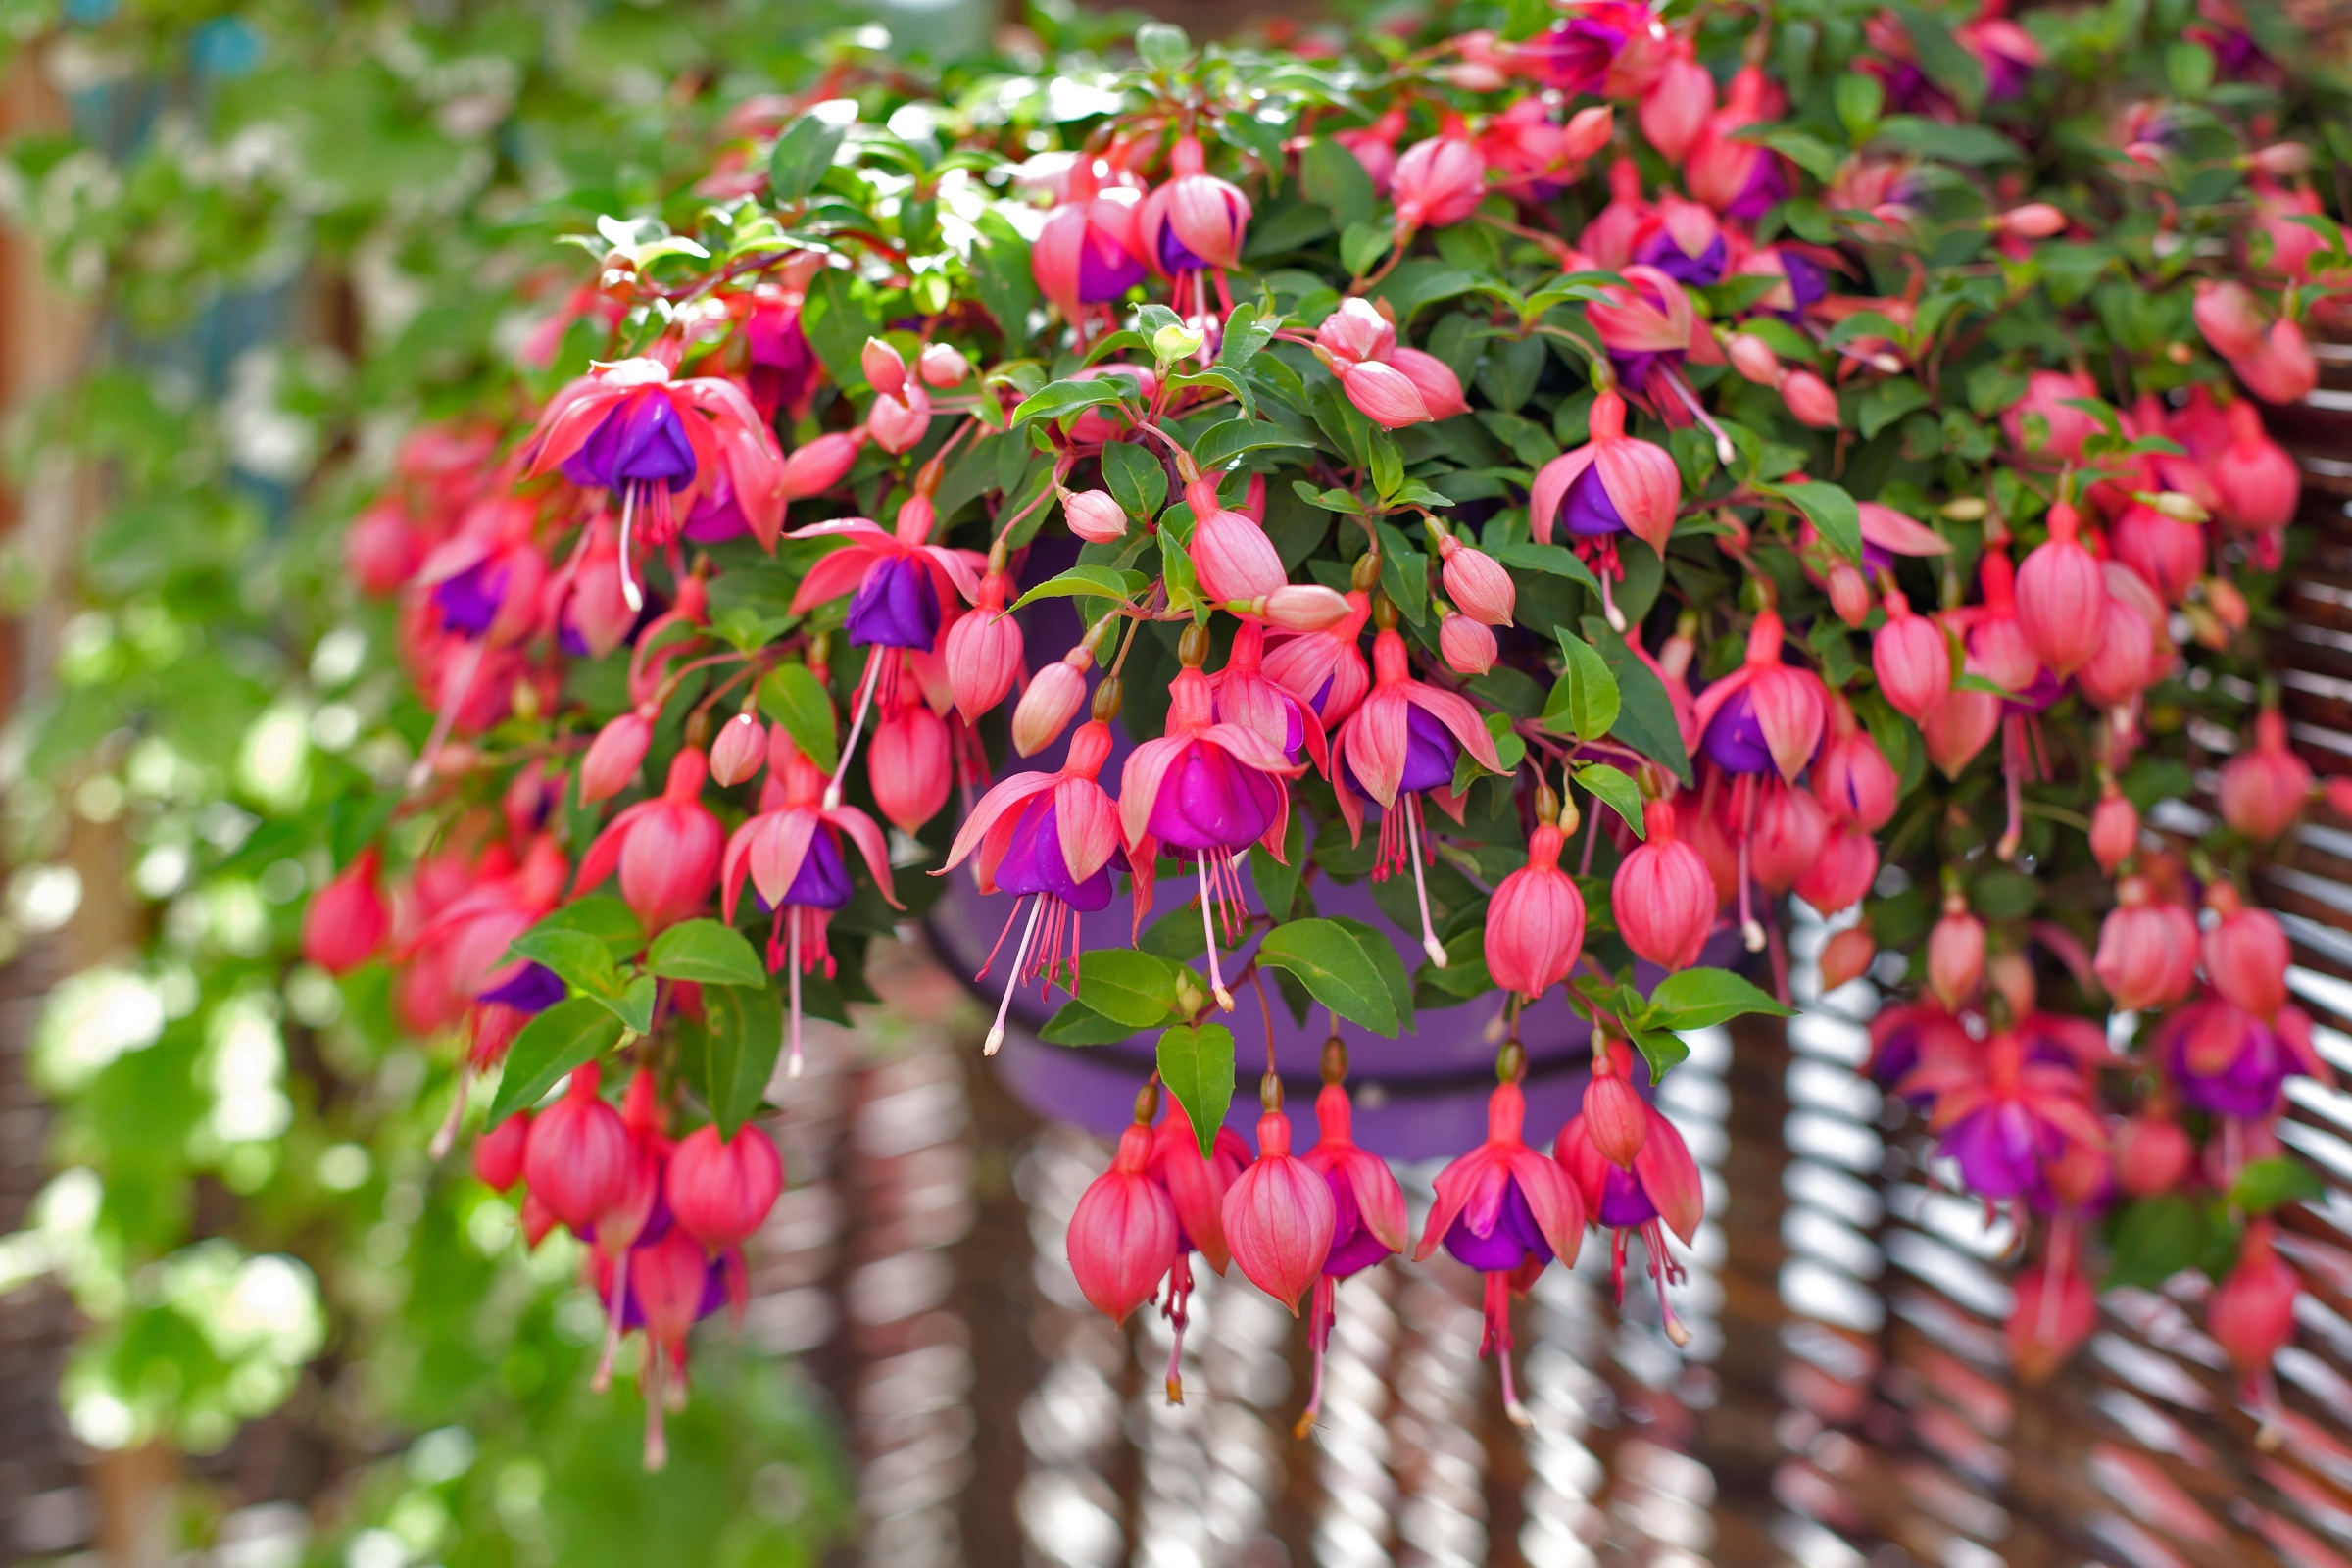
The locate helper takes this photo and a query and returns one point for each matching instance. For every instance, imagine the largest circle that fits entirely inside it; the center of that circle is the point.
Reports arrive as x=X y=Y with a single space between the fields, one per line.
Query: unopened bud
x=1301 y=607
x=941 y=366
x=883 y=367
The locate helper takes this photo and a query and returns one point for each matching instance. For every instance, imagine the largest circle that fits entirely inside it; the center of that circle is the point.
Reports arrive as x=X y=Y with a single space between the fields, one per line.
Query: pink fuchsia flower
x=1739 y=178
x=488 y=583
x=2256 y=485
x=1468 y=648
x=1054 y=696
x=1765 y=715
x=1195 y=222
x=1196 y=1187
x=2054 y=1310
x=1368 y=1208
x=2225 y=1060
x=666 y=850
x=1392 y=386
x=1477 y=583
x=1205 y=789
x=1842 y=872
x=1052 y=838
x=629 y=427
x=1955 y=953
x=2229 y=319
x=1648 y=326
x=720 y=1190
x=2282 y=370
x=1506 y=1211
x=579 y=1155
x=2265 y=786
x=816 y=466
x=1847 y=955
x=1663 y=894
x=2148 y=954
x=2005 y=1114
x=1912 y=658
x=2060 y=597
x=1535 y=920
x=1614 y=484
x=790 y=852
x=1677 y=105
x=345 y=922
x=1090 y=250
x=614 y=757
x=1612 y=48
x=739 y=750
x=1852 y=775
x=1093 y=515
x=1534 y=159
x=1681 y=239
x=2113 y=827
x=1279 y=1214
x=1438 y=182
x=1230 y=552
x=2050 y=396
x=1123 y=1234
x=1403 y=740
x=2128 y=658
x=671 y=1287
x=1375 y=146
x=1243 y=695
x=2007 y=52
x=783 y=368
x=2252 y=1316
x=2245 y=953
x=983 y=651
x=1326 y=669
x=2152 y=1154
x=909 y=764
x=1653 y=1191
x=498 y=1154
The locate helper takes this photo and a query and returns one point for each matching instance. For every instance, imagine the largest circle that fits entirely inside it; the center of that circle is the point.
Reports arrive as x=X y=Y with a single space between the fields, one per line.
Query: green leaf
x=732 y=1057
x=1163 y=46
x=1336 y=968
x=634 y=1006
x=1196 y=1066
x=2272 y=1183
x=568 y=1034
x=1224 y=442
x=1085 y=582
x=1334 y=179
x=1618 y=792
x=2155 y=1239
x=603 y=917
x=1809 y=153
x=1404 y=574
x=707 y=954
x=1383 y=953
x=1363 y=244
x=1060 y=399
x=1247 y=331
x=1694 y=999
x=1183 y=583
x=1887 y=403
x=1587 y=699
x=1278 y=884
x=1831 y=511
x=1663 y=1051
x=1558 y=560
x=1645 y=721
x=1954 y=144
x=1130 y=987
x=579 y=960
x=1078 y=1024
x=803 y=154
x=1002 y=273
x=1135 y=478
x=792 y=696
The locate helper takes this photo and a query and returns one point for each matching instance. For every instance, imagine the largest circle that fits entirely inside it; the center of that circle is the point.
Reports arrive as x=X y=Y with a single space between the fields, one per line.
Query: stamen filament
x=1430 y=944
x=460 y=684
x=876 y=657
x=603 y=1379
x=995 y=1031
x=630 y=594
x=1208 y=929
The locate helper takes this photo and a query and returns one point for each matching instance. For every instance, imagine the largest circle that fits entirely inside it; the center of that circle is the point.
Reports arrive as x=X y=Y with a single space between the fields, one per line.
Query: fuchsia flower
x=1737 y=179
x=909 y=766
x=2265 y=786
x=1477 y=583
x=1405 y=740
x=1648 y=326
x=739 y=752
x=2060 y=597
x=1536 y=159
x=2148 y=954
x=1911 y=655
x=1663 y=895
x=2005 y=1114
x=1280 y=1213
x=666 y=849
x=1368 y=1207
x=1611 y=485
x=1393 y=386
x=2050 y=396
x=1244 y=696
x=1763 y=716
x=346 y=921
x=1535 y=920
x=2252 y=1316
x=720 y=1190
x=1050 y=837
x=1852 y=775
x=2227 y=1062
x=1194 y=223
x=1196 y=1187
x=2245 y=953
x=1326 y=669
x=1375 y=146
x=791 y=850
x=1439 y=183
x=1652 y=1191
x=1677 y=105
x=2256 y=485
x=1955 y=953
x=2113 y=827
x=579 y=1155
x=2283 y=369
x=1123 y=1234
x=1682 y=240
x=627 y=426
x=1504 y=1211
x=1205 y=789
x=983 y=651
x=1608 y=47
x=1230 y=552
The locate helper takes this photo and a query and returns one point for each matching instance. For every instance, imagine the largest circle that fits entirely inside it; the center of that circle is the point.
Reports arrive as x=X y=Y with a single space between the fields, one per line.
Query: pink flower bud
x=615 y=757
x=983 y=652
x=2256 y=485
x=1663 y=895
x=2252 y=1316
x=2032 y=221
x=1844 y=872
x=2050 y=394
x=1810 y=400
x=1535 y=920
x=498 y=1154
x=2060 y=597
x=1912 y=658
x=1439 y=388
x=1053 y=700
x=1357 y=333
x=1753 y=358
x=1380 y=392
x=1302 y=607
x=1847 y=955
x=1587 y=133
x=1231 y=555
x=1093 y=515
x=2282 y=160
x=2245 y=954
x=1279 y=1216
x=910 y=767
x=346 y=921
x=381 y=550
x=1615 y=1118
x=1469 y=648
x=1676 y=108
x=941 y=367
x=899 y=425
x=2151 y=1155
x=740 y=749
x=2147 y=952
x=2229 y=317
x=2114 y=828
x=1955 y=953
x=2265 y=786
x=1855 y=781
x=1122 y=1236
x=1789 y=830
x=816 y=466
x=2122 y=661
x=722 y=1190
x=1477 y=583
x=1437 y=183
x=1849 y=592
x=577 y=1161
x=2053 y=1312
x=885 y=369
x=2283 y=369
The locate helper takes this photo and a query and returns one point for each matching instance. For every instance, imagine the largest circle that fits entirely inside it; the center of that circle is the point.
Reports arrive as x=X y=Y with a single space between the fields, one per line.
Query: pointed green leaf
x=1078 y=1024
x=568 y=1034
x=577 y=959
x=1645 y=720
x=1081 y=582
x=1383 y=953
x=731 y=1058
x=1336 y=968
x=1131 y=987
x=601 y=917
x=792 y=696
x=1196 y=1067
x=803 y=154
x=1831 y=511
x=1618 y=792
x=1694 y=998
x=1135 y=478
x=1586 y=701
x=707 y=952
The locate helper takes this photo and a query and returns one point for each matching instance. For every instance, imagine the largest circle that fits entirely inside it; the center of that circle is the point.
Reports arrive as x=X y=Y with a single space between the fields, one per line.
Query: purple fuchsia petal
x=1735 y=739
x=640 y=442
x=1353 y=1247
x=1587 y=510
x=1766 y=184
x=1624 y=1200
x=2249 y=1086
x=470 y=600
x=823 y=879
x=1105 y=270
x=1574 y=55
x=1998 y=1149
x=1515 y=1237
x=897 y=606
x=1209 y=802
x=1661 y=252
x=535 y=988
x=1430 y=754
x=1034 y=863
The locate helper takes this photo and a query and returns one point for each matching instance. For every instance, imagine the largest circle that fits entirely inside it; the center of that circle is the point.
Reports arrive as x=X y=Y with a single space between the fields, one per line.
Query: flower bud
x=740 y=749
x=2283 y=369
x=1468 y=648
x=1855 y=781
x=1810 y=400
x=1847 y=957
x=1955 y=953
x=910 y=765
x=2264 y=787
x=2053 y=1312
x=721 y=1191
x=1587 y=132
x=1093 y=515
x=1382 y=393
x=1849 y=592
x=2256 y=485
x=615 y=757
x=898 y=425
x=577 y=1161
x=2062 y=597
x=1231 y=553
x=1753 y=358
x=1535 y=927
x=984 y=653
x=1123 y=1233
x=2151 y=1155
x=1279 y=1216
x=2032 y=221
x=1663 y=895
x=2147 y=951
x=1054 y=696
x=1912 y=659
x=498 y=1154
x=2114 y=828
x=1615 y=1118
x=817 y=465
x=381 y=550
x=941 y=367
x=2252 y=1316
x=1301 y=607
x=1790 y=828
x=1477 y=583
x=885 y=369
x=346 y=921
x=1841 y=873
x=2245 y=954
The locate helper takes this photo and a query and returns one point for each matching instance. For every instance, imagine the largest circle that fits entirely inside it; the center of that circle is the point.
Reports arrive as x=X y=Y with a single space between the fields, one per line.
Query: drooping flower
x=1611 y=485
x=2061 y=595
x=2252 y=1315
x=1504 y=1211
x=2003 y=1115
x=1194 y=223
x=720 y=1190
x=983 y=651
x=1653 y=1191
x=1535 y=920
x=346 y=921
x=1739 y=178
x=1090 y=250
x=2226 y=1060
x=1279 y=1214
x=1195 y=1183
x=579 y=1155
x=1368 y=1206
x=666 y=848
x=1123 y=1235
x=1663 y=895
x=2245 y=953
x=1326 y=669
x=2265 y=786
x=1243 y=695
x=2148 y=954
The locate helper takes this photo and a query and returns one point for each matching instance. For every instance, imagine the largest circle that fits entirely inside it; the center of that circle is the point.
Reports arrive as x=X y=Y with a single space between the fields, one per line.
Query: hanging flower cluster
x=1606 y=486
